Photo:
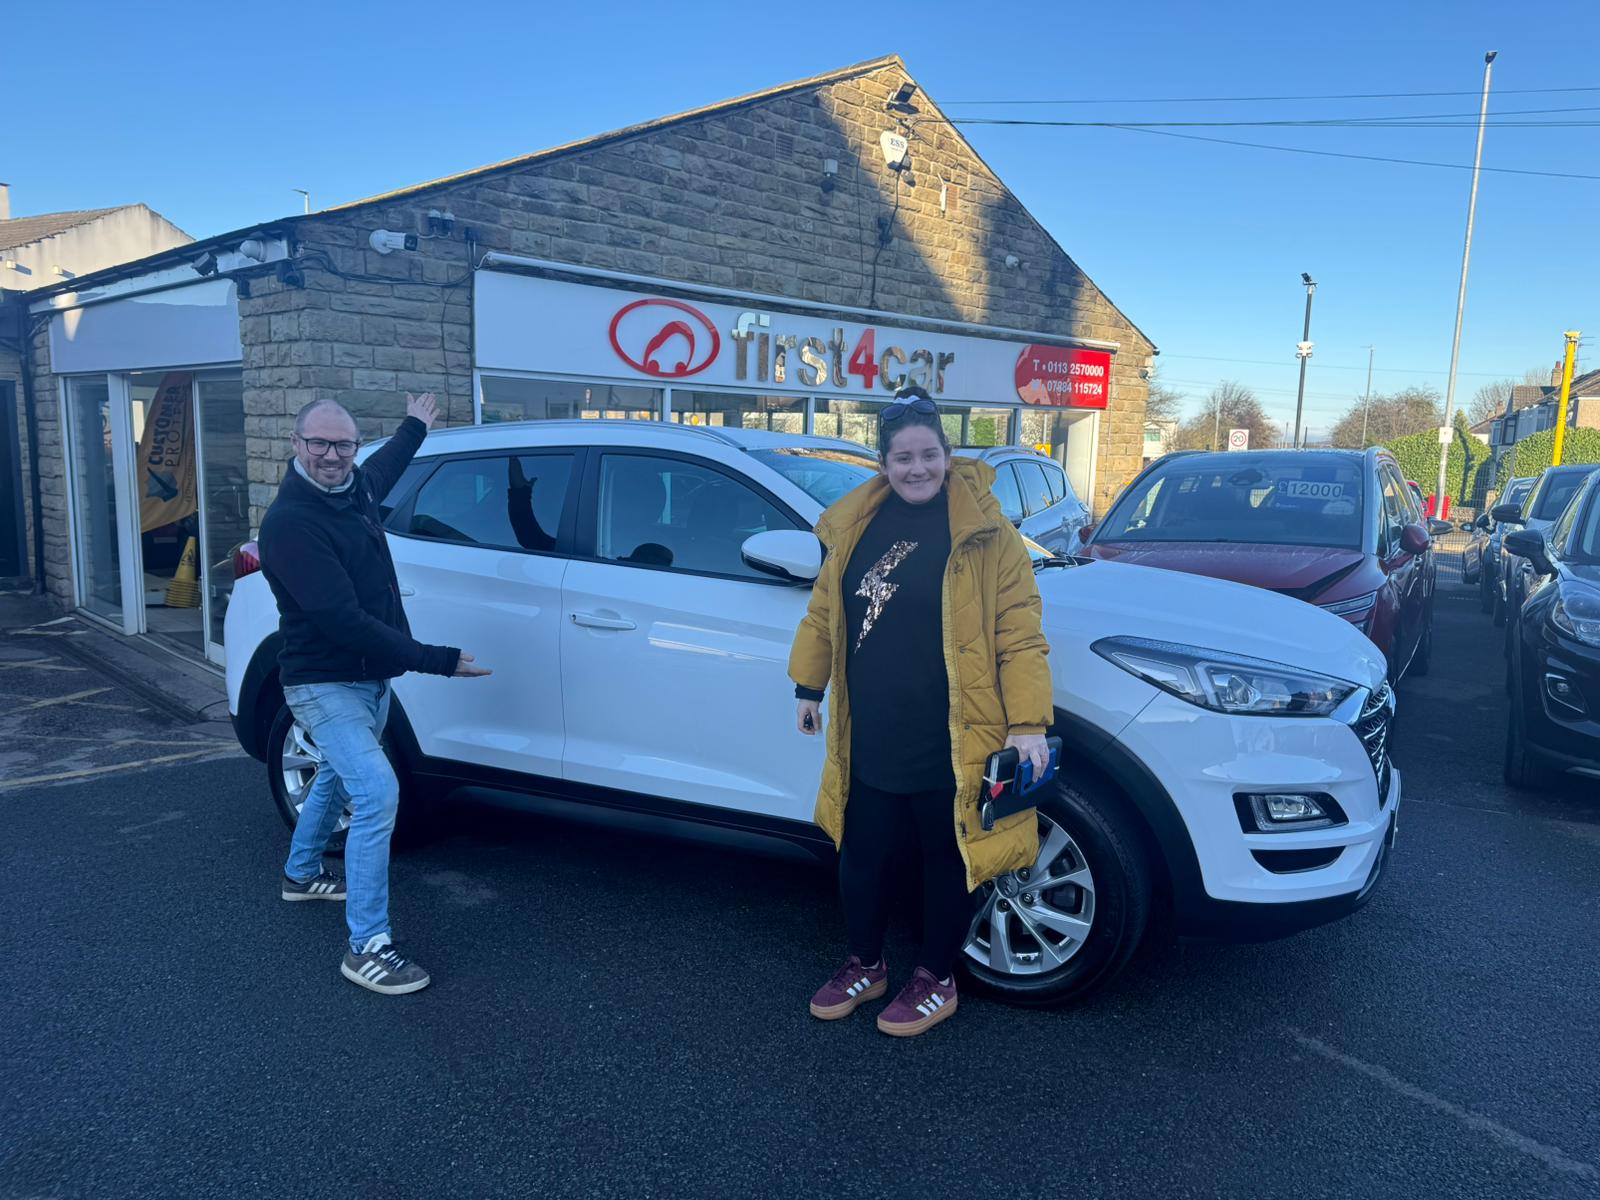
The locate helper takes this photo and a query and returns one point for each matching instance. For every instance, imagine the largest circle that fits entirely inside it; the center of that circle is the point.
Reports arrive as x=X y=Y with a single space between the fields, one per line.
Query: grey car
x=1481 y=560
x=1551 y=493
x=1035 y=495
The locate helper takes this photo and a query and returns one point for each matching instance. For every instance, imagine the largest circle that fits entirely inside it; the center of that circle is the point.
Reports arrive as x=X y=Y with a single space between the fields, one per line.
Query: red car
x=1337 y=528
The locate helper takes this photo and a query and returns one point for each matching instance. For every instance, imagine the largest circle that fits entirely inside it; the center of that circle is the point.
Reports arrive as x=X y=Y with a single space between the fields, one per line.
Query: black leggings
x=876 y=826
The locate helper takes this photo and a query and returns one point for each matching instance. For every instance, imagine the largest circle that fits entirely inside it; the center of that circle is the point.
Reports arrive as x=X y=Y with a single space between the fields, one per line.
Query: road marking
x=163 y=819
x=12 y=784
x=38 y=664
x=68 y=699
x=131 y=740
x=1552 y=1157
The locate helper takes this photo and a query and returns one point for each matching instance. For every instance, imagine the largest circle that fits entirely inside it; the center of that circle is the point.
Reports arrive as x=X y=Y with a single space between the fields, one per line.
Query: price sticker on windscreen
x=1311 y=489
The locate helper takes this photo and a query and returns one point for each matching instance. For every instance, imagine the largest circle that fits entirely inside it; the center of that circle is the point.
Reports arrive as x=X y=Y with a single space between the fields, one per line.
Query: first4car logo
x=665 y=338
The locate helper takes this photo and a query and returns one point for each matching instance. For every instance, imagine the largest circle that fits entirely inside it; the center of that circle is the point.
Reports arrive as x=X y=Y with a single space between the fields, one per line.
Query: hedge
x=1466 y=473
x=1534 y=453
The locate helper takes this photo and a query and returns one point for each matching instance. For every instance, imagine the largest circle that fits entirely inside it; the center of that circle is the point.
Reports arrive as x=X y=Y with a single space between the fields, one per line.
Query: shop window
x=852 y=420
x=979 y=427
x=508 y=502
x=508 y=398
x=731 y=410
x=661 y=512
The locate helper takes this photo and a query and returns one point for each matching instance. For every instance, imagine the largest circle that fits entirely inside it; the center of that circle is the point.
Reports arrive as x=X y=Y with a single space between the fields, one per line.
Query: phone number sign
x=1064 y=377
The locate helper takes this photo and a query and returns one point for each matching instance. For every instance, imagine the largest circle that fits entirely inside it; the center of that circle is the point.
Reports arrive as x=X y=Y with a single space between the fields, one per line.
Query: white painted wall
x=118 y=237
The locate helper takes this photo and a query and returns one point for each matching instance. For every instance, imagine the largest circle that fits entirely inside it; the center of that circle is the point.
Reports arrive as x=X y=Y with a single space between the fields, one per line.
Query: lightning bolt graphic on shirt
x=876 y=588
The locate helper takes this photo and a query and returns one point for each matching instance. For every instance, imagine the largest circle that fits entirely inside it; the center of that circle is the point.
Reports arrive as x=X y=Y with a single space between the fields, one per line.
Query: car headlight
x=1577 y=614
x=1227 y=683
x=1352 y=610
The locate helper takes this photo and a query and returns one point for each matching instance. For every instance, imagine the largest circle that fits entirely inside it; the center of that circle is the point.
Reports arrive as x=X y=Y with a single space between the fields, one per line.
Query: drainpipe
x=31 y=418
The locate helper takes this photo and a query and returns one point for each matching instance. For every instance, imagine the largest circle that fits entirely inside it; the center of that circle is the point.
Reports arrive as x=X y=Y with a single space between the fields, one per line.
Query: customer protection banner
x=166 y=458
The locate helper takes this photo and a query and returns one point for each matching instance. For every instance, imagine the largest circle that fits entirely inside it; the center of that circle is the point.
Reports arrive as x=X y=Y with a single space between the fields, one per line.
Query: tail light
x=246 y=560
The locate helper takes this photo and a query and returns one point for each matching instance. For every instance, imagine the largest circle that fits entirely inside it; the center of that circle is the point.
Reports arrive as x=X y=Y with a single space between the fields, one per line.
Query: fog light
x=1281 y=812
x=1559 y=688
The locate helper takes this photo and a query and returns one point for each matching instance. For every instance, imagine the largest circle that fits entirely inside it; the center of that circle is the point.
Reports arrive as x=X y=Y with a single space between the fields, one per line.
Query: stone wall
x=52 y=464
x=731 y=198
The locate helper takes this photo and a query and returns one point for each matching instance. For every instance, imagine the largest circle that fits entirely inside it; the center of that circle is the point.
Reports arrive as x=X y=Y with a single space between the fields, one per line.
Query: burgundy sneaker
x=851 y=985
x=921 y=1005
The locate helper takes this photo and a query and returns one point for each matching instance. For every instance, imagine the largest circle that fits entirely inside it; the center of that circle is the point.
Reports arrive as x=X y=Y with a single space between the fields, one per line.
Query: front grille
x=1372 y=727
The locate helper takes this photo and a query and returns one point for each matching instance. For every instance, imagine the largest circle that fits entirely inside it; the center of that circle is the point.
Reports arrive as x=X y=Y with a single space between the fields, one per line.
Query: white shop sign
x=530 y=323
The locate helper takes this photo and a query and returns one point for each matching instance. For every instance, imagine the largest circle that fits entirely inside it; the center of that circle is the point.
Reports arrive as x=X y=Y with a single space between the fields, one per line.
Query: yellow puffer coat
x=994 y=656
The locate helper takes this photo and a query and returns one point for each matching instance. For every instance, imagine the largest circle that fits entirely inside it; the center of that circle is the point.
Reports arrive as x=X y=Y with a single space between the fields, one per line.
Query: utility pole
x=1461 y=294
x=305 y=198
x=1366 y=405
x=1303 y=352
x=1216 y=419
x=1572 y=336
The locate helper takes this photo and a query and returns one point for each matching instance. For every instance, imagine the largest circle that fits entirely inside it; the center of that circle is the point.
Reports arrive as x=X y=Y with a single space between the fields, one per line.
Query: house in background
x=38 y=252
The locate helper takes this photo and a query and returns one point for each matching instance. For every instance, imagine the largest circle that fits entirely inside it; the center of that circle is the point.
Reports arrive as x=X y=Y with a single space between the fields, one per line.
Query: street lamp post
x=1303 y=353
x=1366 y=405
x=1461 y=294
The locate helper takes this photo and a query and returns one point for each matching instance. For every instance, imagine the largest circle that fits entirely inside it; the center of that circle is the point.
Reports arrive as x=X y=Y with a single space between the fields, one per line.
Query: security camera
x=206 y=264
x=384 y=241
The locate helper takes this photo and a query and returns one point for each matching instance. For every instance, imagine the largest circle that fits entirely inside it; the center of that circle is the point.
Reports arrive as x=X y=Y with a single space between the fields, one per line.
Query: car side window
x=1005 y=491
x=508 y=501
x=665 y=512
x=414 y=471
x=1035 y=489
x=1057 y=482
x=1396 y=509
x=1563 y=528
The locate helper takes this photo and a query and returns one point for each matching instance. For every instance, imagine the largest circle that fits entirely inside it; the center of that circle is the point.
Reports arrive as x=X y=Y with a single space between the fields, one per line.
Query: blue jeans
x=346 y=720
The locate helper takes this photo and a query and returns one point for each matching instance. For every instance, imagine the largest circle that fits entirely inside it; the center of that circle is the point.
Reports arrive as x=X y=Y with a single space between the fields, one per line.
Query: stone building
x=780 y=260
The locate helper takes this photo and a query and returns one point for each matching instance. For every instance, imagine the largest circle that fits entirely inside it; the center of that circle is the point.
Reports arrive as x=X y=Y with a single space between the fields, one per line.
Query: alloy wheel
x=1034 y=920
x=302 y=759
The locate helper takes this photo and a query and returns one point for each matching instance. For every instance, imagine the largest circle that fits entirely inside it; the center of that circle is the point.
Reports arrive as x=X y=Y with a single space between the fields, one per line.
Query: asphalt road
x=623 y=1016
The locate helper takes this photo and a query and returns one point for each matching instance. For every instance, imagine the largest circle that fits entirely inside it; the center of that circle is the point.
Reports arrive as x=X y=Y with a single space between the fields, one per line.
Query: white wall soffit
x=182 y=326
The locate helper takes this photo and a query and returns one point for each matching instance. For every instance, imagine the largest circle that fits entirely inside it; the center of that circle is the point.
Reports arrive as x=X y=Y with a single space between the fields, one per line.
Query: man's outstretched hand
x=424 y=408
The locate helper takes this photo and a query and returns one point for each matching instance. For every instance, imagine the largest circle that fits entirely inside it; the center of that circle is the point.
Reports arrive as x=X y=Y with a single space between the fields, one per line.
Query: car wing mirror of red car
x=1414 y=539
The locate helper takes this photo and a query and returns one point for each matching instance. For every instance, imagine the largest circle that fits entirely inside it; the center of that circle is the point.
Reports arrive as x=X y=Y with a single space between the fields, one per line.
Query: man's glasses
x=320 y=446
x=895 y=411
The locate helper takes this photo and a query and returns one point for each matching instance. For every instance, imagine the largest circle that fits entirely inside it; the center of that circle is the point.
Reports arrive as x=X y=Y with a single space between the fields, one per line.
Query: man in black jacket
x=344 y=637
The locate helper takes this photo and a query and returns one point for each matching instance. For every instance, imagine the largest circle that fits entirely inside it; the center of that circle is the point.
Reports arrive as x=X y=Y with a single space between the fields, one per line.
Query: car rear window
x=1293 y=500
x=1557 y=492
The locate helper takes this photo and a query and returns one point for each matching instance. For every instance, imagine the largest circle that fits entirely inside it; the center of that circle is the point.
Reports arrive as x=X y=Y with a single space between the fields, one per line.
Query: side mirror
x=1414 y=539
x=790 y=554
x=1085 y=533
x=1510 y=514
x=1483 y=521
x=1439 y=528
x=1530 y=544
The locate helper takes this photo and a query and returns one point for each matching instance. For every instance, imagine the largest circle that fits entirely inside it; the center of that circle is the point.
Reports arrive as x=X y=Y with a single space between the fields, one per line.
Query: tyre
x=1522 y=769
x=1422 y=657
x=1063 y=928
x=293 y=761
x=1485 y=592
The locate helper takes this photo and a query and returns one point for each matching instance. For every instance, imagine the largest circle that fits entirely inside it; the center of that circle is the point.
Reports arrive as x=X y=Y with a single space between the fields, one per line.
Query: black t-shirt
x=893 y=589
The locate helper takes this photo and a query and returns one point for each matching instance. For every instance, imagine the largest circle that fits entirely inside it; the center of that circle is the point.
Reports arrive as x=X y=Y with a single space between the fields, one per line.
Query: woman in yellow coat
x=925 y=622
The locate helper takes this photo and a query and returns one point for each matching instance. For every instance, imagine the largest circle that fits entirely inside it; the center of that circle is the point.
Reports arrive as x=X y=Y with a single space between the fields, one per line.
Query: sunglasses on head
x=895 y=411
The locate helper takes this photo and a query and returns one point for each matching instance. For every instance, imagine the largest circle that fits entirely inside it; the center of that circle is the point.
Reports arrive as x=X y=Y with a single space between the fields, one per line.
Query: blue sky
x=212 y=113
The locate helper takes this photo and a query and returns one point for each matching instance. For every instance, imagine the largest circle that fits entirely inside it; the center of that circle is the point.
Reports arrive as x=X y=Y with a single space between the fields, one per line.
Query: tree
x=1410 y=410
x=1231 y=405
x=1164 y=402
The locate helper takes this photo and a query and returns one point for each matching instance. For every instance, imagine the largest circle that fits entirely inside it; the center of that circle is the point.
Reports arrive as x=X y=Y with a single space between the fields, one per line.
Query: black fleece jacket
x=326 y=560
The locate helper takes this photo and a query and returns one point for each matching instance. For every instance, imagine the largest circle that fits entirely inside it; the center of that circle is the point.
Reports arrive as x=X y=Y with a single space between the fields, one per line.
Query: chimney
x=5 y=202
x=1555 y=373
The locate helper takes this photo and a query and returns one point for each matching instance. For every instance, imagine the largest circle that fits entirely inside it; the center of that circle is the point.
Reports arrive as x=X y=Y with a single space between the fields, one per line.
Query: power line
x=1385 y=121
x=1255 y=99
x=1265 y=362
x=1409 y=162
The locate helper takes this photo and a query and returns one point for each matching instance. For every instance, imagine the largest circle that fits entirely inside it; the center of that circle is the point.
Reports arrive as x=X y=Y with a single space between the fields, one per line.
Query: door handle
x=591 y=621
x=407 y=591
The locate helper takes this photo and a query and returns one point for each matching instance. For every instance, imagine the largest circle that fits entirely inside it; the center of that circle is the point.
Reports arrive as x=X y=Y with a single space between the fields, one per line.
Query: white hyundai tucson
x=636 y=587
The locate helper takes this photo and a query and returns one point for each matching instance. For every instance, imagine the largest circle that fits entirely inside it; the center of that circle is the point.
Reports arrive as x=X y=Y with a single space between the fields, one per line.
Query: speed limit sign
x=1238 y=439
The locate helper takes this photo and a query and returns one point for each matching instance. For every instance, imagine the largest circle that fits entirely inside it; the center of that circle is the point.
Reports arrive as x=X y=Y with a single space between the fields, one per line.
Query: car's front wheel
x=1060 y=929
x=293 y=761
x=1523 y=770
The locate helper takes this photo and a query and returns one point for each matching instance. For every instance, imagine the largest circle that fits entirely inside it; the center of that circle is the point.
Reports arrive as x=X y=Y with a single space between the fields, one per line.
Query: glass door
x=224 y=494
x=105 y=556
x=161 y=418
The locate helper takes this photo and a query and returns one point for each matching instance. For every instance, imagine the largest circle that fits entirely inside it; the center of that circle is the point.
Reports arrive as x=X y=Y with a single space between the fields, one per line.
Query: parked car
x=1336 y=528
x=1480 y=561
x=1554 y=666
x=1036 y=496
x=640 y=652
x=1552 y=492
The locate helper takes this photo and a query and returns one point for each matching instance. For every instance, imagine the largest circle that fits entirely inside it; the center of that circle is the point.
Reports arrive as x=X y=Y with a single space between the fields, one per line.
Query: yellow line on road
x=10 y=784
x=62 y=699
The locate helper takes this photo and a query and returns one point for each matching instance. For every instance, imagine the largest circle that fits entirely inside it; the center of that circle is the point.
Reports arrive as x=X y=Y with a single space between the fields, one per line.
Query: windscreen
x=823 y=474
x=1288 y=500
x=1556 y=493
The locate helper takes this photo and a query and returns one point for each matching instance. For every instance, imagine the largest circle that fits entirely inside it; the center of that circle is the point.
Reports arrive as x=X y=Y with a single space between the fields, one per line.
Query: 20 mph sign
x=1238 y=439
